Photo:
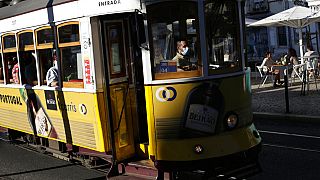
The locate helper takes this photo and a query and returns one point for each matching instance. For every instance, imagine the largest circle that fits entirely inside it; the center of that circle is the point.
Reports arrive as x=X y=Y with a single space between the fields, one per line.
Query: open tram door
x=124 y=80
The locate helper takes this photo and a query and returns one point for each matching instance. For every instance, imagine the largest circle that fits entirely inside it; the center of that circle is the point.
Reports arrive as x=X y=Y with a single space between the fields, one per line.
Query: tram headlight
x=198 y=149
x=231 y=120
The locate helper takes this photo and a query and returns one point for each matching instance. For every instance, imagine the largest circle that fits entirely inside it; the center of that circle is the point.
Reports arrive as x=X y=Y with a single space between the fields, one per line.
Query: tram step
x=142 y=168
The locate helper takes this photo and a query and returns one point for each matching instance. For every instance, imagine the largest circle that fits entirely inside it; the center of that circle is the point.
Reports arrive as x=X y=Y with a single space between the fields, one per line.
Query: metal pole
x=300 y=45
x=286 y=89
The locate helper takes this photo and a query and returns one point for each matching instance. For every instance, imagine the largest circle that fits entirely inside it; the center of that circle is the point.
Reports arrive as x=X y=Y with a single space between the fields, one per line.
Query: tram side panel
x=77 y=118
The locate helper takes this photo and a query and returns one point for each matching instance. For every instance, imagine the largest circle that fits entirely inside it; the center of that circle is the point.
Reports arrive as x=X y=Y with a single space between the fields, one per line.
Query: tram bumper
x=229 y=155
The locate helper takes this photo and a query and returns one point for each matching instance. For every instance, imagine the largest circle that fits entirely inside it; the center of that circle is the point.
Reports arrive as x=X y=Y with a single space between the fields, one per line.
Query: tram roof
x=28 y=6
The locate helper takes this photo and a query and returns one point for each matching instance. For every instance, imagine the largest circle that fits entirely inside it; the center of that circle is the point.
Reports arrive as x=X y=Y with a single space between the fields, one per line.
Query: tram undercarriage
x=244 y=164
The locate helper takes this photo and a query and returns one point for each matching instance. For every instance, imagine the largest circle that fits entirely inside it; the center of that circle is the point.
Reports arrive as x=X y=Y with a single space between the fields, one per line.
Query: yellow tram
x=162 y=80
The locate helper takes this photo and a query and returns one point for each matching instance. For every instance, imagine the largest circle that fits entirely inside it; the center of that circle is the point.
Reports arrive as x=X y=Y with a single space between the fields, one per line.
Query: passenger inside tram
x=15 y=71
x=52 y=76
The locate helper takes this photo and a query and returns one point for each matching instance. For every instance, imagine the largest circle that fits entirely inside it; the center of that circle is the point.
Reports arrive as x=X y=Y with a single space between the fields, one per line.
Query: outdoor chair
x=297 y=71
x=312 y=69
x=264 y=75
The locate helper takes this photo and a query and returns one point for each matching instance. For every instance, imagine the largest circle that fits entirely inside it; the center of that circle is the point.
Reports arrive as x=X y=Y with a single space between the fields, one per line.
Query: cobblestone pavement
x=267 y=99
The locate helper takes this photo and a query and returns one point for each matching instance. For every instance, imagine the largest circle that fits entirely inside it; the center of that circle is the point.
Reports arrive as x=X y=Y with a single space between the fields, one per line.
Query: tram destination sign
x=96 y=7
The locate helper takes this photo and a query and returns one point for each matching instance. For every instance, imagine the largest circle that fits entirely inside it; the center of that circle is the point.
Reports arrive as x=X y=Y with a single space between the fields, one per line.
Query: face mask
x=185 y=50
x=55 y=64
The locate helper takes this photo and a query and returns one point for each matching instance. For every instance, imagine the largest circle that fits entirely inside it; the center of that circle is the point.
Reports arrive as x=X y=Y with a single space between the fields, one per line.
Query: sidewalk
x=269 y=102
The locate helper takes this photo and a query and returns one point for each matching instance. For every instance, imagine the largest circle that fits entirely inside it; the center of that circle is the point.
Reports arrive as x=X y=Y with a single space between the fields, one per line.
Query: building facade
x=277 y=39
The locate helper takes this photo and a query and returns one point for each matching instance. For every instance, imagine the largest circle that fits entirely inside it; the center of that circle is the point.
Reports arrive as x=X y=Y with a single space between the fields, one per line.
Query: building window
x=282 y=36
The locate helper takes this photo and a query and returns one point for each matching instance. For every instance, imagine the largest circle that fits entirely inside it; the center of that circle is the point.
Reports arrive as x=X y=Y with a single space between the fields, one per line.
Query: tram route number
x=201 y=118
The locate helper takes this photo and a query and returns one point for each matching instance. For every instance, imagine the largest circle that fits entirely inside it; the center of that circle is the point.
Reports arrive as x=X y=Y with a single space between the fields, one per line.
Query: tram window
x=11 y=68
x=45 y=36
x=28 y=68
x=10 y=59
x=45 y=39
x=69 y=33
x=27 y=59
x=9 y=41
x=175 y=42
x=25 y=41
x=70 y=55
x=46 y=62
x=72 y=64
x=223 y=37
x=116 y=50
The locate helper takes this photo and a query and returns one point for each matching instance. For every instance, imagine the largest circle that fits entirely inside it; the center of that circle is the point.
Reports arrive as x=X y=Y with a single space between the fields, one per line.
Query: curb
x=285 y=117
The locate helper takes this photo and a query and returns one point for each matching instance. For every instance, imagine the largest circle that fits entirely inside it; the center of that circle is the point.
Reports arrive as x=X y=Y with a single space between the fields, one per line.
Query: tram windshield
x=223 y=37
x=174 y=42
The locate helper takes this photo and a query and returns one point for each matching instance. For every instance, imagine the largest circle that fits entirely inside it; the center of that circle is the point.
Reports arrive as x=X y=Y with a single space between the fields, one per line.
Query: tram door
x=116 y=42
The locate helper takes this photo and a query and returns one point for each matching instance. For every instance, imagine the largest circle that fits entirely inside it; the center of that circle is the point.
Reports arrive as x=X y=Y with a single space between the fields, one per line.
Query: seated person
x=312 y=60
x=267 y=63
x=183 y=55
x=293 y=60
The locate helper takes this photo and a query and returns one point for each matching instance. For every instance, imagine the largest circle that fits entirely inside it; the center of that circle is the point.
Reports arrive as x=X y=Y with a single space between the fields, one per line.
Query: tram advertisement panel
x=197 y=107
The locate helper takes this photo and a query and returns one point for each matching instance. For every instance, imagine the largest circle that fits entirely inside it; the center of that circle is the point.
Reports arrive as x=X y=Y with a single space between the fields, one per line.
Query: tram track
x=291 y=141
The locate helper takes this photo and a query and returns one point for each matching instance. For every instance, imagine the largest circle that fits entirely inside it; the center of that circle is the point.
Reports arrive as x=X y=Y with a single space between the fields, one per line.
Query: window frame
x=42 y=45
x=9 y=50
x=169 y=76
x=69 y=44
x=26 y=47
x=110 y=25
x=227 y=71
x=285 y=34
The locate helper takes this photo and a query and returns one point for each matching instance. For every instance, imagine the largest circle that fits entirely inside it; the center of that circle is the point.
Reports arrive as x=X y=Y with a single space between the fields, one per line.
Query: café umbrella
x=296 y=17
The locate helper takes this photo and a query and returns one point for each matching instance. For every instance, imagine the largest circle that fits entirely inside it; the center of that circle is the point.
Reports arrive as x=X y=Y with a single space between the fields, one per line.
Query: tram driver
x=183 y=56
x=52 y=76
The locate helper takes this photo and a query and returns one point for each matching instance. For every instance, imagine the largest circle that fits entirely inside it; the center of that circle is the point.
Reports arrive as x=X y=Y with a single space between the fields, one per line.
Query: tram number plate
x=202 y=118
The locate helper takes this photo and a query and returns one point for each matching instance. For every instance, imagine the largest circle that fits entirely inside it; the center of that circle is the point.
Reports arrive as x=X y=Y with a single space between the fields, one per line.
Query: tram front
x=198 y=92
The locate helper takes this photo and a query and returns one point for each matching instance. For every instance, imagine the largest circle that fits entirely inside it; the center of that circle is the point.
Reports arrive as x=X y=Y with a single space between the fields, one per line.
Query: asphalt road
x=291 y=150
x=17 y=163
